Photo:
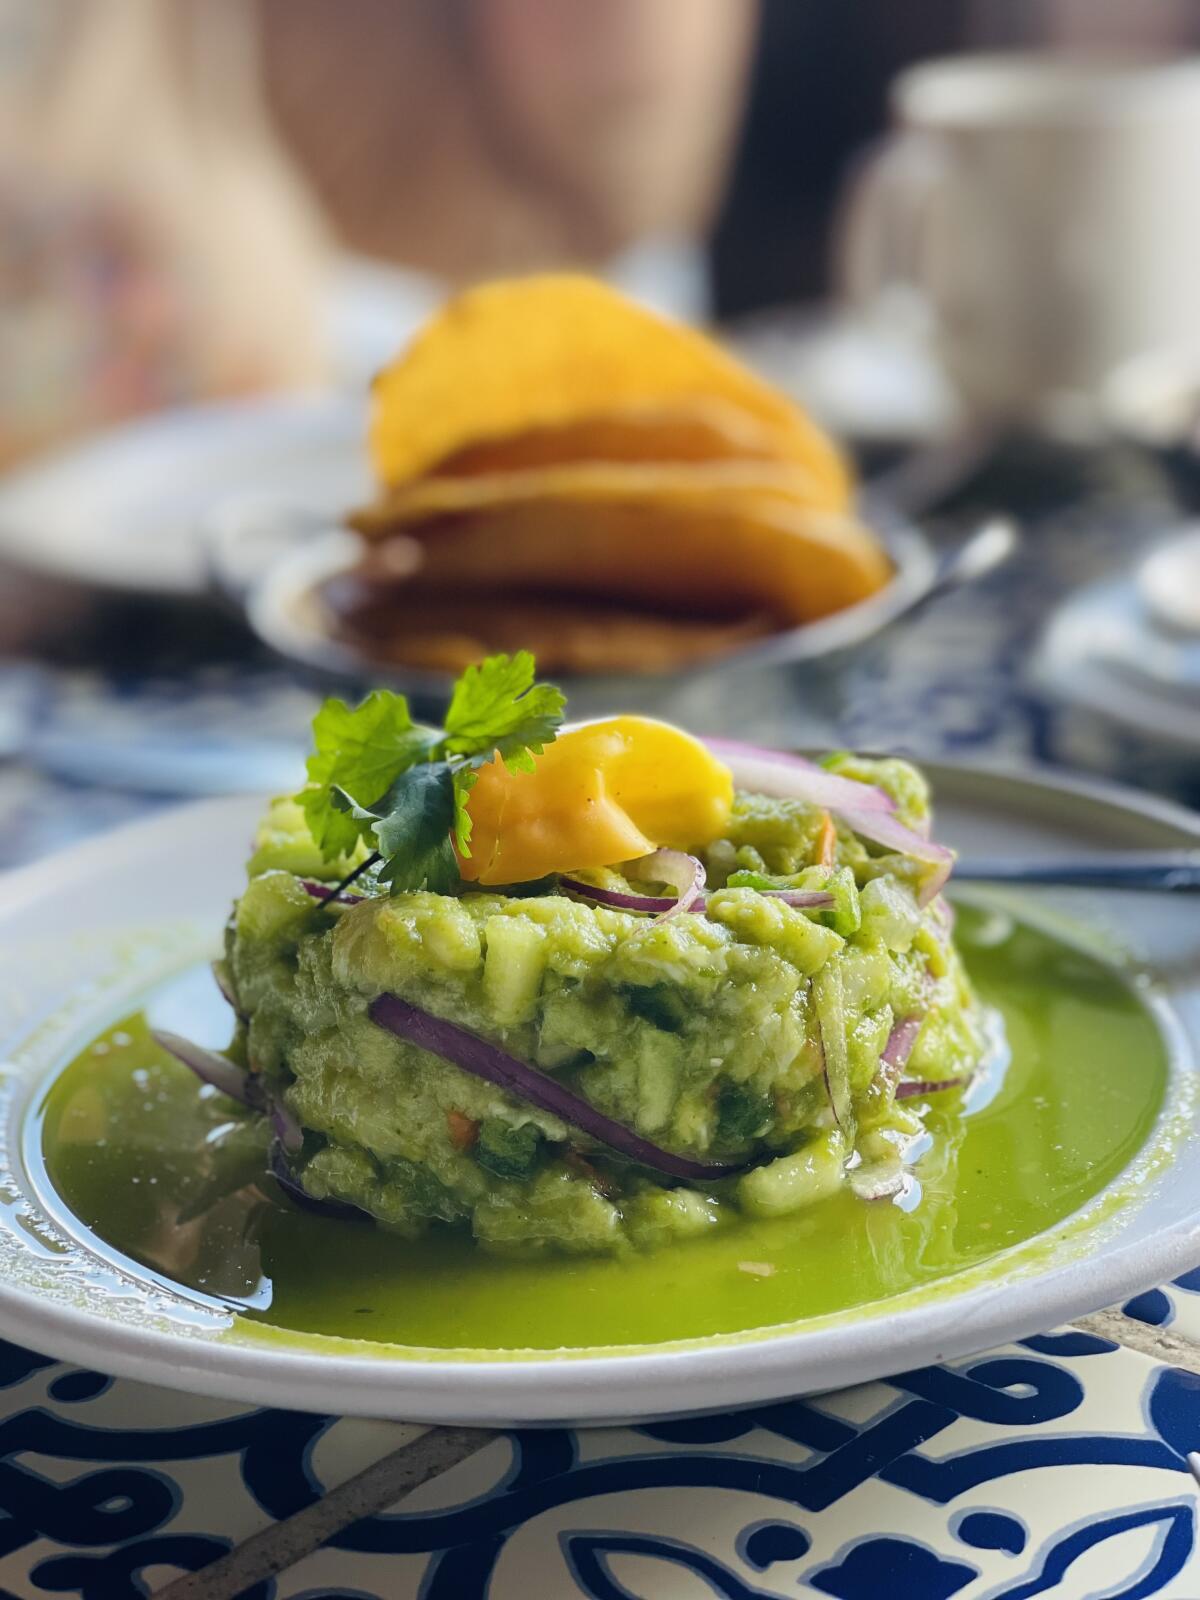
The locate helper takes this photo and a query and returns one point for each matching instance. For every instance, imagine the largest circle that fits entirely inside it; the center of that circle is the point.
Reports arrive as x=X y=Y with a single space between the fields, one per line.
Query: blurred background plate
x=1121 y=659
x=298 y=554
x=286 y=610
x=120 y=512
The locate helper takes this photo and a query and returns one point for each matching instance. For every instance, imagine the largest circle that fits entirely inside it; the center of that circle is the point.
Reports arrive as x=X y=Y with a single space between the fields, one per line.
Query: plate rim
x=611 y=1387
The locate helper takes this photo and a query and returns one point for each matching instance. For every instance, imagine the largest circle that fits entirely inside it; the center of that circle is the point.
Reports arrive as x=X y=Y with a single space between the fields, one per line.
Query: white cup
x=1046 y=214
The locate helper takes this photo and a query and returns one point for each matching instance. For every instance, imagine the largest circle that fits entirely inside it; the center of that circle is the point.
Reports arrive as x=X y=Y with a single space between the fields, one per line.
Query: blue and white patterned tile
x=109 y=1489
x=1176 y=1306
x=1056 y=1468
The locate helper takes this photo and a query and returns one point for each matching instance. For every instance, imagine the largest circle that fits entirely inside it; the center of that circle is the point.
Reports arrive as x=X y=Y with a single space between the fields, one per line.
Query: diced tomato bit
x=827 y=843
x=463 y=1130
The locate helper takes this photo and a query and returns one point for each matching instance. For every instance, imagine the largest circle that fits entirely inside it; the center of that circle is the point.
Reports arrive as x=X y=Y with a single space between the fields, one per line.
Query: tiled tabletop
x=1054 y=1467
x=1057 y=1466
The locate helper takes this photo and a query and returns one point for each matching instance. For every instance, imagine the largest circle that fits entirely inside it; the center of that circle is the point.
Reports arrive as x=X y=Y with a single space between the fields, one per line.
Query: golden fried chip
x=694 y=430
x=544 y=351
x=715 y=557
x=445 y=630
x=422 y=507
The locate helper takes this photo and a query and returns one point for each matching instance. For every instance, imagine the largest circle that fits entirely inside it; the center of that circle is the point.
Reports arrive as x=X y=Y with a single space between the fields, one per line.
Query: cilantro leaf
x=497 y=708
x=377 y=777
x=412 y=822
x=464 y=782
x=359 y=751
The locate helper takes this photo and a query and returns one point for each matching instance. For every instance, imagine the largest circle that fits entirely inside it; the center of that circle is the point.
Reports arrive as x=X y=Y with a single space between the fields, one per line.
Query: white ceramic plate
x=123 y=510
x=90 y=931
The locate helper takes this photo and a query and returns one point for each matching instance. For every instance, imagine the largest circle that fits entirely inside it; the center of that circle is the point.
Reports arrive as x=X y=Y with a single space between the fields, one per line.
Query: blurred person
x=208 y=197
x=616 y=110
x=156 y=242
x=469 y=138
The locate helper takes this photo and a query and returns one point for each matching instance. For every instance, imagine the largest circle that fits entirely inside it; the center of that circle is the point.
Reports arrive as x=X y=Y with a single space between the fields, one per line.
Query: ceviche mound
x=588 y=988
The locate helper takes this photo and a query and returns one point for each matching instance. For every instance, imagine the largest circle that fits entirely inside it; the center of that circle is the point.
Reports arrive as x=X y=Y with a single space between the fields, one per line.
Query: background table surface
x=1056 y=1467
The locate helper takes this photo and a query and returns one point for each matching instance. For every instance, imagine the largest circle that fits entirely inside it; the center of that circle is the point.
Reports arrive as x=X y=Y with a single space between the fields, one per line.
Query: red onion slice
x=287 y=1130
x=801 y=899
x=209 y=1066
x=291 y=1186
x=324 y=891
x=659 y=905
x=836 y=1085
x=485 y=1060
x=893 y=835
x=865 y=808
x=820 y=1048
x=789 y=777
x=683 y=872
x=668 y=866
x=900 y=1043
x=915 y=1086
x=224 y=983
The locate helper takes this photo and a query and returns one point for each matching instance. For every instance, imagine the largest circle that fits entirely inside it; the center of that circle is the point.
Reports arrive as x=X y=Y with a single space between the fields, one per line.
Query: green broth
x=171 y=1177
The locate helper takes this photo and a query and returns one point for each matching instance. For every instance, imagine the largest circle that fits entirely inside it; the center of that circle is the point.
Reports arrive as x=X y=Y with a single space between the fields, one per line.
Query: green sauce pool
x=149 y=1167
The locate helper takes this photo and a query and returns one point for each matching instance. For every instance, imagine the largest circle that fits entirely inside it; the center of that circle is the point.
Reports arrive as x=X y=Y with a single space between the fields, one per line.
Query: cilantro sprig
x=378 y=777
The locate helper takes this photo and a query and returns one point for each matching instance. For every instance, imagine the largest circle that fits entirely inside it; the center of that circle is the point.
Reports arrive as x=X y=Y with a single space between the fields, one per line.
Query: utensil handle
x=1174 y=870
x=990 y=544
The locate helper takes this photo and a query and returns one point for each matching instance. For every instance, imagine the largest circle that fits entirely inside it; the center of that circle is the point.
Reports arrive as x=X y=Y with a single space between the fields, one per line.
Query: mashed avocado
x=750 y=1034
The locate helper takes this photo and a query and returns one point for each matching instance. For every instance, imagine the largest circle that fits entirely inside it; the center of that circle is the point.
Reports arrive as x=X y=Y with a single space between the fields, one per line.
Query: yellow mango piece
x=602 y=793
